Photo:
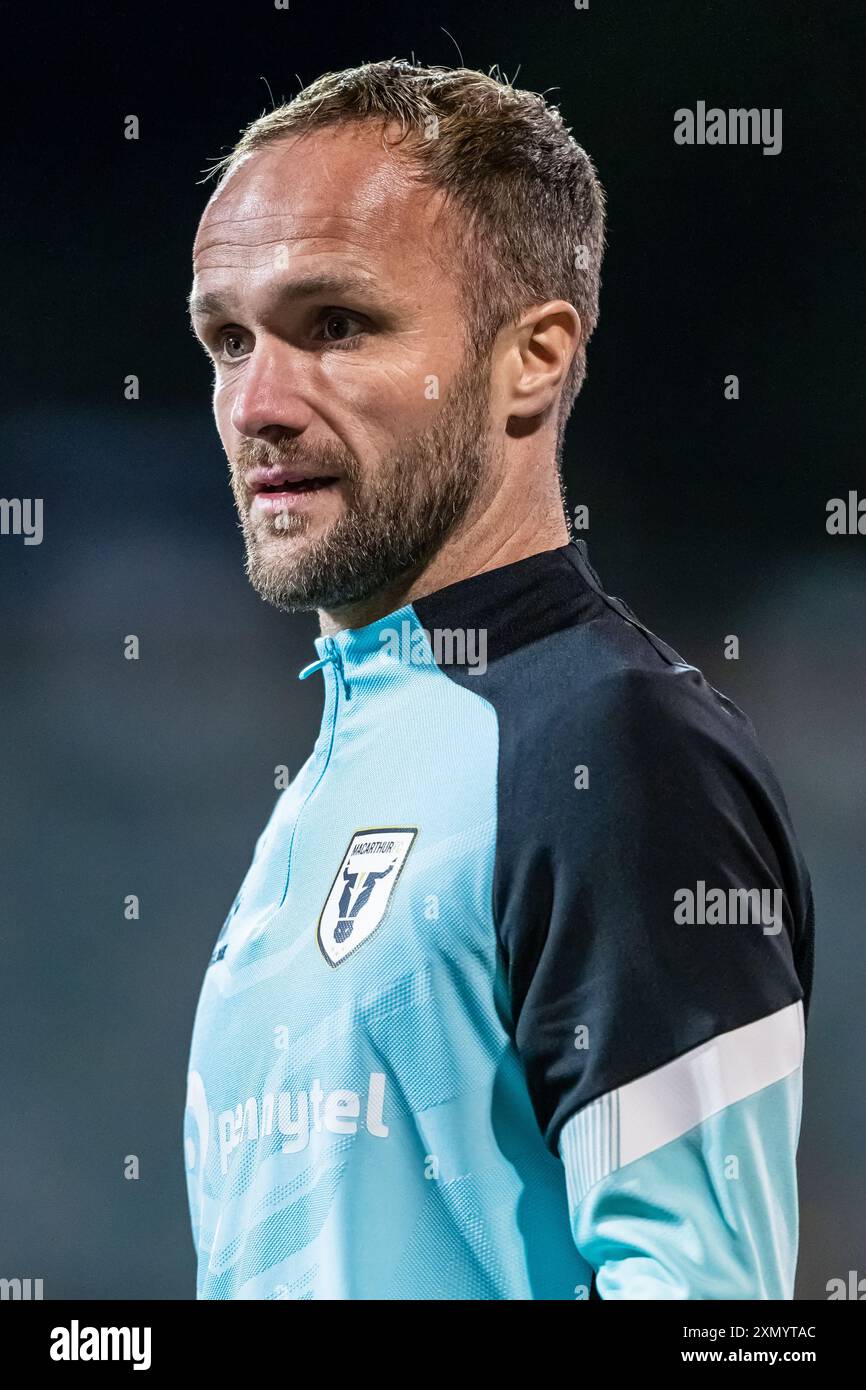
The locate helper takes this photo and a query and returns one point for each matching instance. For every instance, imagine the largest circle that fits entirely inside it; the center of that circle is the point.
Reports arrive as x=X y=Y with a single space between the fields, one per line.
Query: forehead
x=334 y=191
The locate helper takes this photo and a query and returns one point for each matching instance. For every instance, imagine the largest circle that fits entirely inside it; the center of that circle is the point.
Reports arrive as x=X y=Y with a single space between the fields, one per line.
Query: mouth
x=279 y=488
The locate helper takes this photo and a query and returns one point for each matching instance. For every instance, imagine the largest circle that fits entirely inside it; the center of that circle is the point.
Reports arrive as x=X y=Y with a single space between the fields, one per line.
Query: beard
x=395 y=517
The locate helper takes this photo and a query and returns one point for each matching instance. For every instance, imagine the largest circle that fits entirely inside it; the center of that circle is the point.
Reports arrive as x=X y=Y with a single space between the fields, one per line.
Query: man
x=511 y=1001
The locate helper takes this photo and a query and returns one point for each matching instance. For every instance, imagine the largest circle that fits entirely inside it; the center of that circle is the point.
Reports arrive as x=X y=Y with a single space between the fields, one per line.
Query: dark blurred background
x=154 y=777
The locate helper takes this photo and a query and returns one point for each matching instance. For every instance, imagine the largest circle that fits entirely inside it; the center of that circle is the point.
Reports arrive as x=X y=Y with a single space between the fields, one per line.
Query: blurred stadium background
x=708 y=516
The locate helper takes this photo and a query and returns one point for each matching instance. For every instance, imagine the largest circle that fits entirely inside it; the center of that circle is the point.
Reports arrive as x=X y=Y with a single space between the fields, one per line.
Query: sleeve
x=651 y=925
x=677 y=1189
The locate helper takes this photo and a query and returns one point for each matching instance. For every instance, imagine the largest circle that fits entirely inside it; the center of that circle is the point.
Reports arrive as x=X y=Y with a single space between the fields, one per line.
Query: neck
x=473 y=550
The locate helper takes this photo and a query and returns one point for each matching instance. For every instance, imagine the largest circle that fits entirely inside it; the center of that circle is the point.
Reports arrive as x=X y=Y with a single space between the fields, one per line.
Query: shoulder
x=608 y=707
x=626 y=778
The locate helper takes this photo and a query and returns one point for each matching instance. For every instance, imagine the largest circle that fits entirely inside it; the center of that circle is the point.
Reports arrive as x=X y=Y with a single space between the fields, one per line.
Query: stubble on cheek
x=389 y=518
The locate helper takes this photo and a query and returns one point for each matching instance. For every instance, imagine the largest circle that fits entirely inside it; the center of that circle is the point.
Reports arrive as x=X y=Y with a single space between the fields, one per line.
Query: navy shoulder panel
x=649 y=892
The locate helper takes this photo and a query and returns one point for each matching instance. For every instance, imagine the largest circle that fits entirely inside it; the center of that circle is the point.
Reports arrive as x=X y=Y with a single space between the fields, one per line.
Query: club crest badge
x=362 y=889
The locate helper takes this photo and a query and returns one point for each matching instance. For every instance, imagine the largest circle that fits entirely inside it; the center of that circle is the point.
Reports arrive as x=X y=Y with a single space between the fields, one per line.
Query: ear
x=544 y=342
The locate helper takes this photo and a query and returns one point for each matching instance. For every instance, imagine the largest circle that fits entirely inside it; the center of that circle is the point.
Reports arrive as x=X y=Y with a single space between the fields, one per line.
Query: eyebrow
x=307 y=287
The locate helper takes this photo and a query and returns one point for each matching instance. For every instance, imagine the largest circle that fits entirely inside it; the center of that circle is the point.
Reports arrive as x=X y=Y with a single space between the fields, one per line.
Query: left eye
x=338 y=326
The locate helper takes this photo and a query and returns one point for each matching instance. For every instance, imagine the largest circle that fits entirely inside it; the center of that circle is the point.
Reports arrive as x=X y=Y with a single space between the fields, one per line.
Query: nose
x=269 y=399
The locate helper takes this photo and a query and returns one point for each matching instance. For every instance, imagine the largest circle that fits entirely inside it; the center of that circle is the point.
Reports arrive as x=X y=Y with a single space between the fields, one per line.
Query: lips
x=279 y=479
x=279 y=489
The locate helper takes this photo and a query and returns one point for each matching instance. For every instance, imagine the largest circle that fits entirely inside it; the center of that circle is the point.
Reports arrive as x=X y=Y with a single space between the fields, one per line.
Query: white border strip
x=641 y=1116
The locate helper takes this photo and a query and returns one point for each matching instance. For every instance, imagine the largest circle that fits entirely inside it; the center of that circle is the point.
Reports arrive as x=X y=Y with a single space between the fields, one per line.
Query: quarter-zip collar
x=515 y=604
x=355 y=654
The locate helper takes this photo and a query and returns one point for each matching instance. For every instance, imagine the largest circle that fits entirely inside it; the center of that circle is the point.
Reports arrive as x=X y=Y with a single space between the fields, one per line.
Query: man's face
x=355 y=424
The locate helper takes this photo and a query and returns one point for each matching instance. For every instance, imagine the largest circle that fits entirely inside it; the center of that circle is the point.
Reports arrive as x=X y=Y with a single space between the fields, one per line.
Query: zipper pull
x=332 y=654
x=313 y=666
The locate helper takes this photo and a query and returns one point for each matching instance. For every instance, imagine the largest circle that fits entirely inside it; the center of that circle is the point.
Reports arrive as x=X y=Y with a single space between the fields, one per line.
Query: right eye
x=231 y=343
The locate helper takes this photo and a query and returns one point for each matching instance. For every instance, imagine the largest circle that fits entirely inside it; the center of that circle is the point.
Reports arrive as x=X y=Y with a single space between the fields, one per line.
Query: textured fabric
x=444 y=951
x=646 y=1114
x=711 y=1215
x=459 y=1198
